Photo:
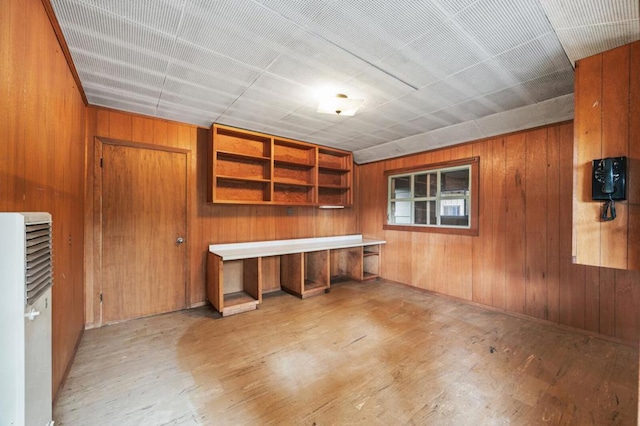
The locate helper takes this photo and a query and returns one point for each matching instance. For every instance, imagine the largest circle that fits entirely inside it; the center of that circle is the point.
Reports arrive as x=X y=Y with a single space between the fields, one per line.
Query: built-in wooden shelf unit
x=255 y=168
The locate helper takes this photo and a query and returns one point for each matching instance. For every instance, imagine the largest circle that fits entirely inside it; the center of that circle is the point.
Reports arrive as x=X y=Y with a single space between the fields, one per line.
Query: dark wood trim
x=473 y=229
x=65 y=48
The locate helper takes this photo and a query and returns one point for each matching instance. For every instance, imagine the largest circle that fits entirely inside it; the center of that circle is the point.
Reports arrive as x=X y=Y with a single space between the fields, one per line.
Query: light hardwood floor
x=370 y=353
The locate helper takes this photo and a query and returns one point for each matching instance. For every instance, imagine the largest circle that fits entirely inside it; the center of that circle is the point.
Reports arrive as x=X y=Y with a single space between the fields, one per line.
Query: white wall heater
x=26 y=276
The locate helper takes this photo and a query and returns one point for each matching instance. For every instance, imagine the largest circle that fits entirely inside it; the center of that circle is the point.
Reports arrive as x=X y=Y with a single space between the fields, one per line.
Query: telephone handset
x=609 y=184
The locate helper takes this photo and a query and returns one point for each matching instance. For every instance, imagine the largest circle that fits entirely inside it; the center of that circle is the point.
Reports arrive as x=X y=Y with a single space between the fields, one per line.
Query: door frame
x=99 y=141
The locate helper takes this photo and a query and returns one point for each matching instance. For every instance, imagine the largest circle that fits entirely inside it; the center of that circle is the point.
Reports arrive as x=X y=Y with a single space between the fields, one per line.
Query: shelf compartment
x=332 y=159
x=294 y=153
x=316 y=272
x=370 y=267
x=233 y=286
x=246 y=168
x=240 y=156
x=292 y=193
x=305 y=274
x=371 y=250
x=333 y=178
x=241 y=142
x=346 y=263
x=369 y=276
x=293 y=174
x=229 y=189
x=334 y=196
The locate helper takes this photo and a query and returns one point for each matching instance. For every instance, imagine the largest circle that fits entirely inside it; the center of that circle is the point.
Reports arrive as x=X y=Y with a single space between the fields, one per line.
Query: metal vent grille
x=39 y=266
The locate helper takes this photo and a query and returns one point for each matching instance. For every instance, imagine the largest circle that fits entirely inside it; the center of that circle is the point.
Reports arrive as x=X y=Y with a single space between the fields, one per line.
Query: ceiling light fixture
x=339 y=104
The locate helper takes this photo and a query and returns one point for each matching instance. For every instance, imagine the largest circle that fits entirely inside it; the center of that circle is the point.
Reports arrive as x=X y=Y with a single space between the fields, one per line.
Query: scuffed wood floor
x=371 y=353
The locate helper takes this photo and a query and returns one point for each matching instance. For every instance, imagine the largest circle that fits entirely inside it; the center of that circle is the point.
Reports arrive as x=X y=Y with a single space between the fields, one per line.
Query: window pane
x=454 y=183
x=425 y=185
x=400 y=212
x=454 y=212
x=401 y=187
x=425 y=213
x=420 y=213
x=432 y=213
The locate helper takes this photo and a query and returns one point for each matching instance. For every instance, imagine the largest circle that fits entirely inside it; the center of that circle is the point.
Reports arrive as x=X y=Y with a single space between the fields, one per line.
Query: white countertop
x=249 y=250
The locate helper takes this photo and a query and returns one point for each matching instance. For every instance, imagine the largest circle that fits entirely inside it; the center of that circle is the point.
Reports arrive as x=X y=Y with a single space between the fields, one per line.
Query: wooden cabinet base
x=236 y=303
x=235 y=283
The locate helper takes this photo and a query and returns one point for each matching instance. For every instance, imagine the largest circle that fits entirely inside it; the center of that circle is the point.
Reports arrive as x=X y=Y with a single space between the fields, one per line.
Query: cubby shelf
x=254 y=168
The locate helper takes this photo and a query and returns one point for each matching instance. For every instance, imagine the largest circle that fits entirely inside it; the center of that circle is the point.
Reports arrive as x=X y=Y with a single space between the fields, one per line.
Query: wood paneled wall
x=607 y=125
x=521 y=260
x=42 y=156
x=208 y=223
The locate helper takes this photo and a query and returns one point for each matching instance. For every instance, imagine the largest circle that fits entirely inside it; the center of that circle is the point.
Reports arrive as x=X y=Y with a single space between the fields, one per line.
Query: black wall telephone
x=609 y=183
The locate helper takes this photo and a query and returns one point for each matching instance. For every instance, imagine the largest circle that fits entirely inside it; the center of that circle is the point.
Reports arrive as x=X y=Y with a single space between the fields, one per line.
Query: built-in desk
x=307 y=266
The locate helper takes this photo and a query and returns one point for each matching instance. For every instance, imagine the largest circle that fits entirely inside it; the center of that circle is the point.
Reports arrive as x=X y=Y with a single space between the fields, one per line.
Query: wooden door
x=143 y=216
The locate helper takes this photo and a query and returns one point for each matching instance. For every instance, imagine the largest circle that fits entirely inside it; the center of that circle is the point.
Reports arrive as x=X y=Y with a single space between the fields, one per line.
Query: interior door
x=144 y=195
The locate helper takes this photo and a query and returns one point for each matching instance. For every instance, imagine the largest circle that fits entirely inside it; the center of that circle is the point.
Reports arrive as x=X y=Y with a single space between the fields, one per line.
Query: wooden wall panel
x=553 y=224
x=208 y=223
x=607 y=109
x=536 y=208
x=42 y=156
x=515 y=208
x=521 y=261
x=588 y=107
x=482 y=291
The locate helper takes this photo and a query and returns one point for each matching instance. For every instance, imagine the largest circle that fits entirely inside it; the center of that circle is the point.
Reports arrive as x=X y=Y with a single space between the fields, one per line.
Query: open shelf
x=242 y=178
x=288 y=193
x=313 y=285
x=241 y=156
x=338 y=196
x=237 y=298
x=368 y=276
x=294 y=152
x=275 y=170
x=241 y=190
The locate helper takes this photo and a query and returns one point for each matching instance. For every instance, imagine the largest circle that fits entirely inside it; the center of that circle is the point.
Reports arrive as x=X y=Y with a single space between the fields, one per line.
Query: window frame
x=474 y=174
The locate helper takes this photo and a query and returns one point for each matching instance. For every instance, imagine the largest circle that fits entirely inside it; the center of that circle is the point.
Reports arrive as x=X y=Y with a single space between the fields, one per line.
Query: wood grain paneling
x=207 y=223
x=536 y=170
x=521 y=259
x=143 y=214
x=42 y=156
x=515 y=208
x=607 y=105
x=588 y=107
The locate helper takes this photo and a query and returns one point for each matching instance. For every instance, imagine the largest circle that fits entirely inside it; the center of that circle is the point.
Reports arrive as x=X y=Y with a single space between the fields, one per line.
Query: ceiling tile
x=244 y=30
x=535 y=58
x=500 y=25
x=214 y=64
x=160 y=15
x=509 y=98
x=434 y=50
x=580 y=13
x=557 y=109
x=511 y=121
x=551 y=85
x=582 y=42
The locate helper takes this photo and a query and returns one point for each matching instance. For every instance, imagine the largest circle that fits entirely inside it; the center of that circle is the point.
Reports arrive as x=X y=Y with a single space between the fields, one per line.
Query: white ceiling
x=432 y=72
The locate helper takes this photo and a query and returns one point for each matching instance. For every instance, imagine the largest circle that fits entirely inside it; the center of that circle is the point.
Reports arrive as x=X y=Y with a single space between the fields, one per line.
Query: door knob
x=180 y=240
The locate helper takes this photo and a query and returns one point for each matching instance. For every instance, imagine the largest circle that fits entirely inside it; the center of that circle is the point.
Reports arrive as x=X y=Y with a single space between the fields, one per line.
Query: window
x=437 y=198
